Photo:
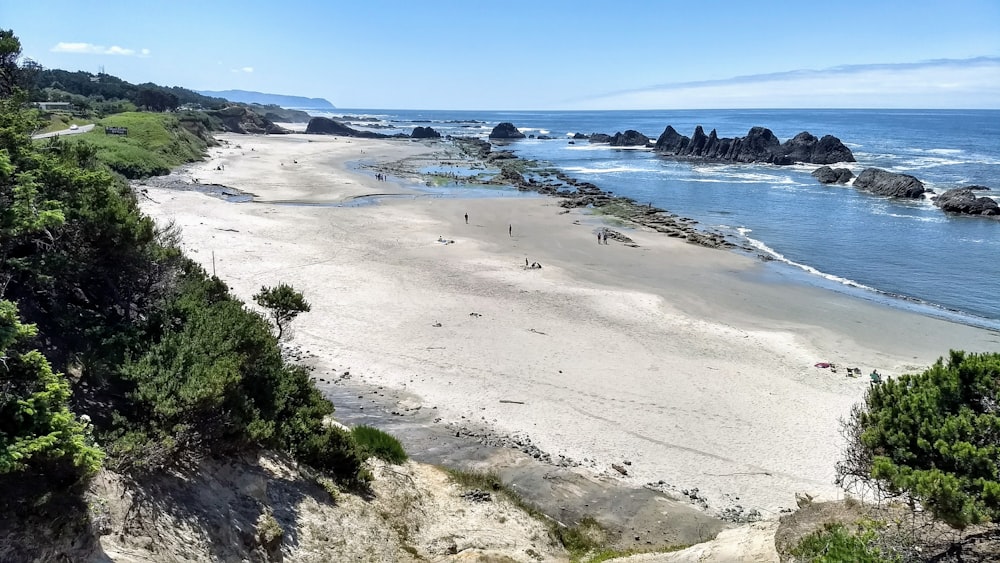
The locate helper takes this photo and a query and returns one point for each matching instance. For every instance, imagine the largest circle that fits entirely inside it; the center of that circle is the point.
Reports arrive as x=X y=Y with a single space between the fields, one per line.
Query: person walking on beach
x=466 y=218
x=598 y=237
x=510 y=230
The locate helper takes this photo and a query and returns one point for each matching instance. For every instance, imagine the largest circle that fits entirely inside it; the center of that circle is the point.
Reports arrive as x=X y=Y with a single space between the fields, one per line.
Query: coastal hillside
x=262 y=98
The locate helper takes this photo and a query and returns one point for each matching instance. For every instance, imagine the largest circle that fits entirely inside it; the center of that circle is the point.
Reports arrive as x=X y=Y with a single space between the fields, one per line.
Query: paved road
x=78 y=130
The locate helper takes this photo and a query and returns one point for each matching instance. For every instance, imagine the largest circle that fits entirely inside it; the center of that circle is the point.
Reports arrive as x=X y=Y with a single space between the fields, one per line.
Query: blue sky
x=538 y=54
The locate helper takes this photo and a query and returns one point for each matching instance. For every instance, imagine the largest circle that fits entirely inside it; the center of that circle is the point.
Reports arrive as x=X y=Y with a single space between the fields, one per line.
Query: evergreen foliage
x=283 y=304
x=43 y=446
x=165 y=361
x=933 y=437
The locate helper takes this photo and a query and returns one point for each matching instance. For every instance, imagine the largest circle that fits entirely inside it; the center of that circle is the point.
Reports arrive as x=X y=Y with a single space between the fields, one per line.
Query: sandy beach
x=684 y=364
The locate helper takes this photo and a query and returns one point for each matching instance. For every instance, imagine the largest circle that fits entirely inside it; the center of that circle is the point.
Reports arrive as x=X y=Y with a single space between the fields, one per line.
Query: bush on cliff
x=43 y=446
x=932 y=438
x=374 y=442
x=167 y=364
x=213 y=381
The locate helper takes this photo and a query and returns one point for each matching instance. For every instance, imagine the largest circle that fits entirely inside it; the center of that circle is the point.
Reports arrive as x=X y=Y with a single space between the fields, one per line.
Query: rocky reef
x=890 y=184
x=827 y=175
x=759 y=145
x=964 y=201
x=576 y=193
x=506 y=130
x=630 y=138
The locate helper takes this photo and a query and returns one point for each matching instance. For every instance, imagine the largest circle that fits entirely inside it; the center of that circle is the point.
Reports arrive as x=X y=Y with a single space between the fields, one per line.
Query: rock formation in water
x=630 y=138
x=965 y=202
x=759 y=145
x=506 y=130
x=425 y=133
x=890 y=184
x=827 y=175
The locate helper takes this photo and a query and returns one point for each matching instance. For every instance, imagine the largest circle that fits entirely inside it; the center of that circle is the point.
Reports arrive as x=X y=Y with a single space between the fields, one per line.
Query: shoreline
x=676 y=358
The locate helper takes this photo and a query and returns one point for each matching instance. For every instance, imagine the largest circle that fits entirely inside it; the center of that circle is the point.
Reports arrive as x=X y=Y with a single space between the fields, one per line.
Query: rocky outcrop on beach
x=827 y=175
x=243 y=120
x=759 y=145
x=576 y=193
x=506 y=130
x=889 y=184
x=630 y=138
x=964 y=201
x=327 y=126
x=425 y=133
x=599 y=138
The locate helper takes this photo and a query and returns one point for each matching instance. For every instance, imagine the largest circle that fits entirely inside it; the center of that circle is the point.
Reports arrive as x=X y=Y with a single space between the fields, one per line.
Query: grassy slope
x=156 y=142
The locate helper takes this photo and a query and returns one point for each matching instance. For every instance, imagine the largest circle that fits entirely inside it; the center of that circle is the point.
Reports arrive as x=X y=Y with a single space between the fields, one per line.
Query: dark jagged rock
x=891 y=184
x=579 y=136
x=965 y=202
x=240 y=119
x=671 y=142
x=510 y=176
x=327 y=126
x=759 y=145
x=600 y=138
x=630 y=138
x=827 y=175
x=425 y=133
x=506 y=130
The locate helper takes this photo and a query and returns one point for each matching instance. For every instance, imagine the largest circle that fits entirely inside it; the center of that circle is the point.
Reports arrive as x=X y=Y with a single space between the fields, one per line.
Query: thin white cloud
x=965 y=83
x=92 y=49
x=245 y=69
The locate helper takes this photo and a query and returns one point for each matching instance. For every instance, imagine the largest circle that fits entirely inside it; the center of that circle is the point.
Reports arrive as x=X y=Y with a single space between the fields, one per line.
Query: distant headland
x=248 y=97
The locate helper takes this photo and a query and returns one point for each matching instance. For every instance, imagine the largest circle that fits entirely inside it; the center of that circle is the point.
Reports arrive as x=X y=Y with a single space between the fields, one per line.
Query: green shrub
x=374 y=442
x=43 y=446
x=835 y=543
x=933 y=437
x=212 y=380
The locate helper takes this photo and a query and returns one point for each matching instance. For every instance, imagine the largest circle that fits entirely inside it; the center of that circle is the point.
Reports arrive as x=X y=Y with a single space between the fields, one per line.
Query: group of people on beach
x=381 y=178
x=602 y=236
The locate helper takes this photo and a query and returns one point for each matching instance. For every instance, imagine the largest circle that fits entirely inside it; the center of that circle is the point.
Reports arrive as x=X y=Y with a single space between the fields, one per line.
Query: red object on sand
x=823 y=365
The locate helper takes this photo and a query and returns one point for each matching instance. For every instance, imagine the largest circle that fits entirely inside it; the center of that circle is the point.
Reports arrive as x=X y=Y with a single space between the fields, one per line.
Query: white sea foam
x=745 y=232
x=590 y=147
x=923 y=219
x=609 y=170
x=732 y=175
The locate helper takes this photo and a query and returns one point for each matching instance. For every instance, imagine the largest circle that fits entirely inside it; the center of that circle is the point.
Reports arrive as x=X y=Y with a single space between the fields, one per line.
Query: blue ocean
x=905 y=253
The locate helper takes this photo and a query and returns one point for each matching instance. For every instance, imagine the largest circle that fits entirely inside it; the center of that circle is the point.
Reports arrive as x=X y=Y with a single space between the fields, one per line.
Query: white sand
x=674 y=357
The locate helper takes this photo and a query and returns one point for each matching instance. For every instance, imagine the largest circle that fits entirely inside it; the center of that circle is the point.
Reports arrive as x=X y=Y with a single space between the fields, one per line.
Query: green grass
x=156 y=142
x=374 y=442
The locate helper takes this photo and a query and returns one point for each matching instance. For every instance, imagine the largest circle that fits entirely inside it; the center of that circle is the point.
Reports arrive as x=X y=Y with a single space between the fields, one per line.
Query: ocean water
x=905 y=253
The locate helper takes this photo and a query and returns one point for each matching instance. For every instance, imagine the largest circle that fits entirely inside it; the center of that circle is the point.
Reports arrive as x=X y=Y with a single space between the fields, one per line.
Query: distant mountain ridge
x=247 y=97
